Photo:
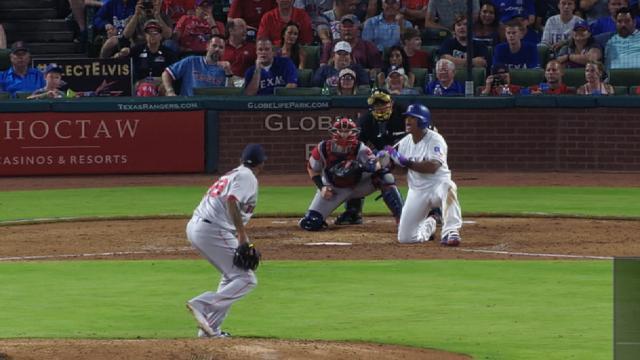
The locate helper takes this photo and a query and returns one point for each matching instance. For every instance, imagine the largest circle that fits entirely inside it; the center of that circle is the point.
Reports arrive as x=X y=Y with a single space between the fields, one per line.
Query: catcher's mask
x=380 y=104
x=344 y=134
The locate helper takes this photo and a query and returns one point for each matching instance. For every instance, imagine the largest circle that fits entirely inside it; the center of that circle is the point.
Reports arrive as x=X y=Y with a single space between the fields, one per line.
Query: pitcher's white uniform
x=211 y=231
x=427 y=191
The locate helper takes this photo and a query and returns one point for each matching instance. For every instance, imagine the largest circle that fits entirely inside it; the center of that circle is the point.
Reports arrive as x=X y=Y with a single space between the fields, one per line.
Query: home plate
x=329 y=244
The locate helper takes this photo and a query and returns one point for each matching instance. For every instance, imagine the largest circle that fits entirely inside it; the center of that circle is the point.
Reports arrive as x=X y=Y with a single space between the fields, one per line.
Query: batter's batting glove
x=397 y=158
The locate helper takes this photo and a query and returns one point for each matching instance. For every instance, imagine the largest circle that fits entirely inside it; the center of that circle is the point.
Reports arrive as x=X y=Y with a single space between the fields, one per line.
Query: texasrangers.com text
x=138 y=107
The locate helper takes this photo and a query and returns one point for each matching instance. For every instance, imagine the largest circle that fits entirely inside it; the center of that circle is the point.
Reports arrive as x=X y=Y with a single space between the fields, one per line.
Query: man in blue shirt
x=514 y=53
x=269 y=72
x=623 y=49
x=384 y=30
x=199 y=71
x=20 y=77
x=444 y=85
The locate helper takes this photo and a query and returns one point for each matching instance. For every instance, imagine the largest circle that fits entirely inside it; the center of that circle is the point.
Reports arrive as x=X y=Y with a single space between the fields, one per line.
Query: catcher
x=382 y=125
x=217 y=232
x=343 y=168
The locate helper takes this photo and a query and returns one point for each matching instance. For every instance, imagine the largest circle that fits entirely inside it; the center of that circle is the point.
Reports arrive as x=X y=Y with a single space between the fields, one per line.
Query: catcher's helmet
x=421 y=113
x=380 y=104
x=344 y=134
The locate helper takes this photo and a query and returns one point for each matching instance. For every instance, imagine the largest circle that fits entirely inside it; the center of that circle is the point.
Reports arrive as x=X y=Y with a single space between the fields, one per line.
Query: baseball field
x=99 y=268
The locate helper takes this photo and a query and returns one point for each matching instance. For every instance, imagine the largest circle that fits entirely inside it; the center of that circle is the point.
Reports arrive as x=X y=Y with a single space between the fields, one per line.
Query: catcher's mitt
x=346 y=173
x=247 y=257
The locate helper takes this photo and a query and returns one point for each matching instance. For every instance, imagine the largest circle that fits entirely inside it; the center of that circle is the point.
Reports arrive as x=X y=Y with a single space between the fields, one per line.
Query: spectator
x=269 y=72
x=79 y=16
x=151 y=59
x=274 y=20
x=508 y=9
x=53 y=79
x=113 y=15
x=415 y=11
x=553 y=73
x=544 y=10
x=20 y=77
x=499 y=82
x=594 y=75
x=327 y=75
x=581 y=48
x=622 y=51
x=384 y=30
x=529 y=34
x=396 y=59
x=341 y=8
x=445 y=83
x=445 y=11
x=558 y=28
x=175 y=9
x=193 y=32
x=486 y=29
x=346 y=82
x=592 y=10
x=514 y=53
x=290 y=46
x=363 y=52
x=397 y=83
x=239 y=52
x=251 y=11
x=199 y=71
x=412 y=46
x=455 y=48
x=3 y=38
x=319 y=22
x=607 y=23
x=133 y=33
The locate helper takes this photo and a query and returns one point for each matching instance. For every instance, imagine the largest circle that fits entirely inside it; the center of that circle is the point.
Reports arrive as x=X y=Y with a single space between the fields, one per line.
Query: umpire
x=382 y=125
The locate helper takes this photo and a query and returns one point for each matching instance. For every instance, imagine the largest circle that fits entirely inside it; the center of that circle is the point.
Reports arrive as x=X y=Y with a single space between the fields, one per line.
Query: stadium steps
x=41 y=24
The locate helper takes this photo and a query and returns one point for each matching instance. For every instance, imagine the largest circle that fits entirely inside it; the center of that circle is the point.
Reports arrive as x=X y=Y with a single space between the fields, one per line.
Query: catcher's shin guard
x=393 y=199
x=312 y=221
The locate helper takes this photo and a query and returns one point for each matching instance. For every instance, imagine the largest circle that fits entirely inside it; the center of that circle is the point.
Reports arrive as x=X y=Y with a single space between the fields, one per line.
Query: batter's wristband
x=317 y=179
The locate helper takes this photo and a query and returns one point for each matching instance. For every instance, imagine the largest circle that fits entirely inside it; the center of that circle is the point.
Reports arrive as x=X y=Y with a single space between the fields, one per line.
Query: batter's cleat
x=436 y=214
x=348 y=218
x=201 y=320
x=451 y=239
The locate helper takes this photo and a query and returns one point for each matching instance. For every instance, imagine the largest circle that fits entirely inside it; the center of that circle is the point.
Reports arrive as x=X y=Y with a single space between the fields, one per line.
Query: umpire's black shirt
x=376 y=134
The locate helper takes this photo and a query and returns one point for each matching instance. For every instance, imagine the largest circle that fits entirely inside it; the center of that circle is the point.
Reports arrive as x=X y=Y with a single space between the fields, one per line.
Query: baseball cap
x=580 y=24
x=53 y=68
x=152 y=25
x=350 y=18
x=204 y=2
x=346 y=71
x=396 y=70
x=499 y=68
x=19 y=46
x=342 y=46
x=253 y=154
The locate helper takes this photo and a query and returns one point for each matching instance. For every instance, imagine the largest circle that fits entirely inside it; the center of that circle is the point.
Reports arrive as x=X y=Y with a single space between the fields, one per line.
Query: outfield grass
x=524 y=310
x=293 y=201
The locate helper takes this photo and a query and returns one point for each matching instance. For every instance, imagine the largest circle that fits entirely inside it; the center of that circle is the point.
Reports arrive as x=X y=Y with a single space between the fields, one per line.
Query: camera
x=497 y=80
x=147 y=4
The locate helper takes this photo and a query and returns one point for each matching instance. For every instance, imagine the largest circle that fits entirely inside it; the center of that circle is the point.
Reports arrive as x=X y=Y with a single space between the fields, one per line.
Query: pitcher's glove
x=246 y=257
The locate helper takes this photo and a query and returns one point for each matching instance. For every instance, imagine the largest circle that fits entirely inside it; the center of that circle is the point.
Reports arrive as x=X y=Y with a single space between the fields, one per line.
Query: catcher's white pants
x=218 y=246
x=414 y=227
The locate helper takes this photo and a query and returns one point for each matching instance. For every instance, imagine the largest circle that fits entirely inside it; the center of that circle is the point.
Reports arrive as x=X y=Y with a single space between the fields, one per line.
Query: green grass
x=293 y=201
x=490 y=309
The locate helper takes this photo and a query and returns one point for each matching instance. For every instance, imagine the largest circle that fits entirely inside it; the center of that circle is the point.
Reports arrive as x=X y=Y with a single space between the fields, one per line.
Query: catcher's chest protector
x=331 y=158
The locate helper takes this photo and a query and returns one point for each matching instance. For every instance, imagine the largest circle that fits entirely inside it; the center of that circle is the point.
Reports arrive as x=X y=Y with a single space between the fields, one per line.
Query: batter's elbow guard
x=313 y=221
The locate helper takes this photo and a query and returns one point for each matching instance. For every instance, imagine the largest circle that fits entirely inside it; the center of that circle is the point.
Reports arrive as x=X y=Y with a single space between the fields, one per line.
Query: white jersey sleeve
x=240 y=184
x=431 y=147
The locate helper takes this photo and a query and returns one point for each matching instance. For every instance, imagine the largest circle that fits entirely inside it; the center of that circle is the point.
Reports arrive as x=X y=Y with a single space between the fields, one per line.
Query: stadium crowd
x=347 y=47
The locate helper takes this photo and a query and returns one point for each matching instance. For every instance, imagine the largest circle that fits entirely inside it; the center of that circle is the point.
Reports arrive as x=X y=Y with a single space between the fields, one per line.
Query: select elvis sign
x=101 y=143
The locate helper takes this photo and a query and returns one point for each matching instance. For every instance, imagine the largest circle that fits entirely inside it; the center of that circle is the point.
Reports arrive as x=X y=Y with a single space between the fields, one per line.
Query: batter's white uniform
x=211 y=231
x=428 y=191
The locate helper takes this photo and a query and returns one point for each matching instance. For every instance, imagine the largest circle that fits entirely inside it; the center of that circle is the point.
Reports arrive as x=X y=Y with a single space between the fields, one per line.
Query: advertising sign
x=101 y=143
